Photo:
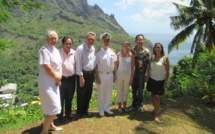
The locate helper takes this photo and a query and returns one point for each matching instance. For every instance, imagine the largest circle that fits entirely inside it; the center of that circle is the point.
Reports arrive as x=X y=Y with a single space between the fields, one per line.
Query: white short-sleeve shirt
x=50 y=57
x=105 y=60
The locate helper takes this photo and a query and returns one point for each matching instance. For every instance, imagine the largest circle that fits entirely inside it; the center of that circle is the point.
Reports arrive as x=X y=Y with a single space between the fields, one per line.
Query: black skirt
x=156 y=87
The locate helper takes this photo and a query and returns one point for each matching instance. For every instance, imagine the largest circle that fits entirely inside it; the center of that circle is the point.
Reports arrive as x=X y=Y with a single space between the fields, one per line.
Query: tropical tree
x=198 y=17
x=7 y=5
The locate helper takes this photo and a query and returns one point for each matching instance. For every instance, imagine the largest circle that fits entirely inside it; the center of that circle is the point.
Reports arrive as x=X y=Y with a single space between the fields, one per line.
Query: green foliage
x=185 y=77
x=182 y=78
x=20 y=66
x=3 y=82
x=6 y=5
x=5 y=44
x=208 y=91
x=205 y=76
x=13 y=118
x=167 y=96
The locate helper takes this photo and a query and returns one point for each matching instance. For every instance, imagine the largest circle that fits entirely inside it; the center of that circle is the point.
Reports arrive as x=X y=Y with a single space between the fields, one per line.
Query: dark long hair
x=162 y=51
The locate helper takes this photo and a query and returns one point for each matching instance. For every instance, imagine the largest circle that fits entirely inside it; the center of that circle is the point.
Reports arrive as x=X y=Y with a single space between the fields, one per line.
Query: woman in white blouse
x=125 y=75
x=159 y=74
x=49 y=81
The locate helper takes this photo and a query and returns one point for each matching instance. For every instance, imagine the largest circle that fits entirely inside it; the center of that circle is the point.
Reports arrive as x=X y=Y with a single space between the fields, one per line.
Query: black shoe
x=88 y=114
x=61 y=120
x=69 y=117
x=78 y=116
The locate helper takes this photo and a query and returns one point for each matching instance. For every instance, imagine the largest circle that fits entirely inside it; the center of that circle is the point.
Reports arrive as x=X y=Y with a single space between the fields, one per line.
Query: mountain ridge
x=68 y=17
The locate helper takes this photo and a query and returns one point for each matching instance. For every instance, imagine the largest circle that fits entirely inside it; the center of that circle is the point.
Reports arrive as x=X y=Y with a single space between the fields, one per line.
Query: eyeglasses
x=90 y=39
x=158 y=47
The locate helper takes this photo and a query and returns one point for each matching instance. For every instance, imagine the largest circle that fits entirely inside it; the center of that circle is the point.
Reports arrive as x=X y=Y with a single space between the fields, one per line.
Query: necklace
x=124 y=54
x=157 y=58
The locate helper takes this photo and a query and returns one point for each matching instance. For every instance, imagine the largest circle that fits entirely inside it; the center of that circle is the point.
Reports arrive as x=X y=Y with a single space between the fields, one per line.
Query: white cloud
x=138 y=3
x=141 y=3
x=122 y=4
x=137 y=17
x=151 y=10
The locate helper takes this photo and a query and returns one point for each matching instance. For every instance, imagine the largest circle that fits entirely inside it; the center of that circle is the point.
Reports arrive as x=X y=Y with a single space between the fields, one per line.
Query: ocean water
x=164 y=39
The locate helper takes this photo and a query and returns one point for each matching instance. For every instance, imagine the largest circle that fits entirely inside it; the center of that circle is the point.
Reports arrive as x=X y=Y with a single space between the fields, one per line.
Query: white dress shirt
x=85 y=59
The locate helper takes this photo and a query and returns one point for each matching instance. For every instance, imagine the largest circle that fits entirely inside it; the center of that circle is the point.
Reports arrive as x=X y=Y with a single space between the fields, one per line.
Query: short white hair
x=51 y=33
x=91 y=33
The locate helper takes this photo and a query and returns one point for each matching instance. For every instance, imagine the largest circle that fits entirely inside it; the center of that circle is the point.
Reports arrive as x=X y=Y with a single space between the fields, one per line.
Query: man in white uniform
x=105 y=74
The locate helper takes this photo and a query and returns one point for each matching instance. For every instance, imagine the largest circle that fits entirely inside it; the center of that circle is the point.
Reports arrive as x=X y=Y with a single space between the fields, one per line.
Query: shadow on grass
x=201 y=113
x=33 y=130
x=183 y=110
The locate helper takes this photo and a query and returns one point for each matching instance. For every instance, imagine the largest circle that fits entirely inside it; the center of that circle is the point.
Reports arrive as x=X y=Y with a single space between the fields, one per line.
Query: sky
x=141 y=16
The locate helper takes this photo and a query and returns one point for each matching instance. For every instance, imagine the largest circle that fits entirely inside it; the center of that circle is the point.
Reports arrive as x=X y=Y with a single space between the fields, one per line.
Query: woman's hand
x=147 y=78
x=165 y=85
x=58 y=83
x=57 y=80
x=114 y=78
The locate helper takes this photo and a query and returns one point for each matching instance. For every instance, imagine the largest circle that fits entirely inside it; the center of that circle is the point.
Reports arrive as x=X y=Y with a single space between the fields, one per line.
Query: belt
x=88 y=72
x=67 y=77
x=138 y=70
x=105 y=72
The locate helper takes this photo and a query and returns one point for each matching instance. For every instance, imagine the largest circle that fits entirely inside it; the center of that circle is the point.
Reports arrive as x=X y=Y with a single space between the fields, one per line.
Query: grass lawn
x=186 y=115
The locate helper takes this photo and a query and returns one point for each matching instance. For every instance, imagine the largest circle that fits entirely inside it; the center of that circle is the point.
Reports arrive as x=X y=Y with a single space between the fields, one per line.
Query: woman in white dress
x=49 y=81
x=125 y=75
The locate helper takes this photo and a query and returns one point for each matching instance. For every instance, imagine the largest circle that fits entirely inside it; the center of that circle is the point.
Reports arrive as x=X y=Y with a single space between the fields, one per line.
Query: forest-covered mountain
x=68 y=17
x=27 y=30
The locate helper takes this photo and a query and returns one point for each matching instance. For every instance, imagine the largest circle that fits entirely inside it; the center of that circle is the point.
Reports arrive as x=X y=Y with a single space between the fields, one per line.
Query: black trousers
x=67 y=90
x=84 y=93
x=138 y=89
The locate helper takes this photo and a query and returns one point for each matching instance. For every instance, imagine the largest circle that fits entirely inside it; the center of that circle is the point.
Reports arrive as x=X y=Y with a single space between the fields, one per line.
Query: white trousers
x=105 y=92
x=123 y=84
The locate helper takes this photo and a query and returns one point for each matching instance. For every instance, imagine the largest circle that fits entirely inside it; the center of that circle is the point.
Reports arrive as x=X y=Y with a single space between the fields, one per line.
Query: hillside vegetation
x=26 y=31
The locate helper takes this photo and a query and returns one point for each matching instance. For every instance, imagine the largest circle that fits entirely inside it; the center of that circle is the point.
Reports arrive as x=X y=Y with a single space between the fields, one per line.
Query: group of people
x=61 y=70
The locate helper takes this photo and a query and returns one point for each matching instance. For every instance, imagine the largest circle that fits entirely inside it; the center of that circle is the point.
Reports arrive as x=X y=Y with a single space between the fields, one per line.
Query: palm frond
x=179 y=22
x=210 y=40
x=196 y=3
x=199 y=15
x=181 y=37
x=197 y=39
x=187 y=15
